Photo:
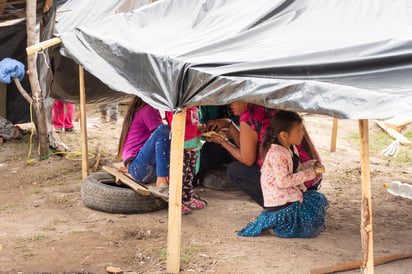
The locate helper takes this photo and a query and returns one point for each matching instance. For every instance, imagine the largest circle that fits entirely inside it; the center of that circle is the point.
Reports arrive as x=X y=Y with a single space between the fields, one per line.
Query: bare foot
x=122 y=169
x=162 y=182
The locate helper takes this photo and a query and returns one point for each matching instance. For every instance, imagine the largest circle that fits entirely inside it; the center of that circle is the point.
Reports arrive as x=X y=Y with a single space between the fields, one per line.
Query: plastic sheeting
x=13 y=45
x=348 y=59
x=63 y=76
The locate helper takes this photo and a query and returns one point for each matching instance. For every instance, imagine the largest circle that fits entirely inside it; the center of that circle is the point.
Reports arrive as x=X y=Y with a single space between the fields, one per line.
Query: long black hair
x=134 y=106
x=283 y=120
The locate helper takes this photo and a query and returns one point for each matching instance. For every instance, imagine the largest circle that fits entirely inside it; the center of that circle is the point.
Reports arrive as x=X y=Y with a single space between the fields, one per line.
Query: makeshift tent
x=347 y=59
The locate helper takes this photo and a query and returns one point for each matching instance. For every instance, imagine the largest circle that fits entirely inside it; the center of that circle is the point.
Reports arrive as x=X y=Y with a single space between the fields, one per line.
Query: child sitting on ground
x=291 y=211
x=192 y=144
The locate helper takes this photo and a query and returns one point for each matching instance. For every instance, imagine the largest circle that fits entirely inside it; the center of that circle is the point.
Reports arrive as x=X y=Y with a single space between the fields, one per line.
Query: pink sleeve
x=283 y=176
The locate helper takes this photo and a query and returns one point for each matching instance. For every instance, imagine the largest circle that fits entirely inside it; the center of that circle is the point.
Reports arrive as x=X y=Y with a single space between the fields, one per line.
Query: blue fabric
x=299 y=220
x=10 y=68
x=154 y=158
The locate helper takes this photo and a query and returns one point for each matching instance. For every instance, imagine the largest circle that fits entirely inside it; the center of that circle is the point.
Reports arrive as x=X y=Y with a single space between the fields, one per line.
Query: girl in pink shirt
x=290 y=209
x=192 y=144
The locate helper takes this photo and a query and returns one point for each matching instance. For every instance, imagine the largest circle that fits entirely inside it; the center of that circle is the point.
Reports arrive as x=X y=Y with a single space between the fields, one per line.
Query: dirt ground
x=45 y=227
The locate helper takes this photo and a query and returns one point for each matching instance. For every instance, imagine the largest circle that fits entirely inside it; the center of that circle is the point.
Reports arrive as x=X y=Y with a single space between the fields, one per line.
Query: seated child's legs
x=189 y=168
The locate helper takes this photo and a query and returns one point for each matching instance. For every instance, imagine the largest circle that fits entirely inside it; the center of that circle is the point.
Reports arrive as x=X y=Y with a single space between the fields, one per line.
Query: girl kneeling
x=291 y=211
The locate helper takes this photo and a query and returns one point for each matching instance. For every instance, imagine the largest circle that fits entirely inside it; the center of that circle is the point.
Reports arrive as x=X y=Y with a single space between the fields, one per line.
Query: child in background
x=61 y=119
x=192 y=144
x=144 y=146
x=290 y=209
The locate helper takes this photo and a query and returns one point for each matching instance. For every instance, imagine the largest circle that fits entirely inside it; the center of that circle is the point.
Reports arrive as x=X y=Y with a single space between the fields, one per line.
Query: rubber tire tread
x=217 y=179
x=99 y=192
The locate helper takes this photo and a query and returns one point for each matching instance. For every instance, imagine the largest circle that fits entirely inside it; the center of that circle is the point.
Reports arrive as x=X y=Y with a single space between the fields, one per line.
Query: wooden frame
x=174 y=223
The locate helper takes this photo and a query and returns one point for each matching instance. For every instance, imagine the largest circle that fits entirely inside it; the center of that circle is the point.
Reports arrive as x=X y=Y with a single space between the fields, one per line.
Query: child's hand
x=318 y=168
x=216 y=125
x=201 y=128
x=215 y=139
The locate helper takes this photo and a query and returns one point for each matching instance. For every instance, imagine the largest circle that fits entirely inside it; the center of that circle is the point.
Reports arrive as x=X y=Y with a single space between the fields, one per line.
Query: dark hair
x=282 y=121
x=135 y=105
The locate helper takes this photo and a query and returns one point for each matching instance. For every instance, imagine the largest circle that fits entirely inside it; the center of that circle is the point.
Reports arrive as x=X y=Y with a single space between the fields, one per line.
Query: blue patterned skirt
x=298 y=220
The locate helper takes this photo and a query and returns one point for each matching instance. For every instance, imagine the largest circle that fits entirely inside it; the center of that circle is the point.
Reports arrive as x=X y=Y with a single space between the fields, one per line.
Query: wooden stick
x=83 y=126
x=42 y=45
x=22 y=91
x=358 y=264
x=3 y=100
x=366 y=212
x=37 y=96
x=2 y=6
x=394 y=134
x=175 y=192
x=47 y=5
x=334 y=135
x=142 y=190
x=77 y=116
x=99 y=154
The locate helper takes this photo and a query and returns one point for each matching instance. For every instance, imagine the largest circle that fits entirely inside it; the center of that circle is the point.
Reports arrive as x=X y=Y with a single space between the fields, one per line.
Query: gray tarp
x=348 y=59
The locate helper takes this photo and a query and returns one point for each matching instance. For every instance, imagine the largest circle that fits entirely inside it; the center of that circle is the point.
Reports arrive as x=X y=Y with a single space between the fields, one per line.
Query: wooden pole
x=366 y=212
x=83 y=126
x=34 y=81
x=334 y=135
x=175 y=192
x=42 y=45
x=2 y=6
x=357 y=264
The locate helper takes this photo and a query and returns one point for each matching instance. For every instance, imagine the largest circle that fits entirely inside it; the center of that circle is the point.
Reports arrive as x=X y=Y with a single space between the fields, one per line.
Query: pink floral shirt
x=279 y=184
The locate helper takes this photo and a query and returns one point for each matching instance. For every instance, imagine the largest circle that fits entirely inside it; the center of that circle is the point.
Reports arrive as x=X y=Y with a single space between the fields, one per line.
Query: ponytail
x=135 y=105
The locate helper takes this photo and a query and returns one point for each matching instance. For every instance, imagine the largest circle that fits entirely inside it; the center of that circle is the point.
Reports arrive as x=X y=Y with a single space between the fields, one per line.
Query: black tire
x=217 y=179
x=100 y=192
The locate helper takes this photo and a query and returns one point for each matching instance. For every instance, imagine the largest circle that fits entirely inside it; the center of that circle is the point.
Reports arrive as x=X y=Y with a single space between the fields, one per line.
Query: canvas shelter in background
x=347 y=59
x=13 y=43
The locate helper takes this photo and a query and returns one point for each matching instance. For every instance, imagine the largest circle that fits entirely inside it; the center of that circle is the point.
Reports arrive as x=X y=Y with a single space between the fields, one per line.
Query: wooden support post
x=366 y=212
x=2 y=6
x=34 y=81
x=334 y=135
x=83 y=126
x=175 y=192
x=42 y=45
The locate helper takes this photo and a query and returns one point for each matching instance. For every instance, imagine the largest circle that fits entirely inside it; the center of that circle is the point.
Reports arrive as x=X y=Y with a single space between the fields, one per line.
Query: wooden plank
x=334 y=135
x=394 y=134
x=366 y=210
x=83 y=126
x=175 y=193
x=142 y=190
x=397 y=123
